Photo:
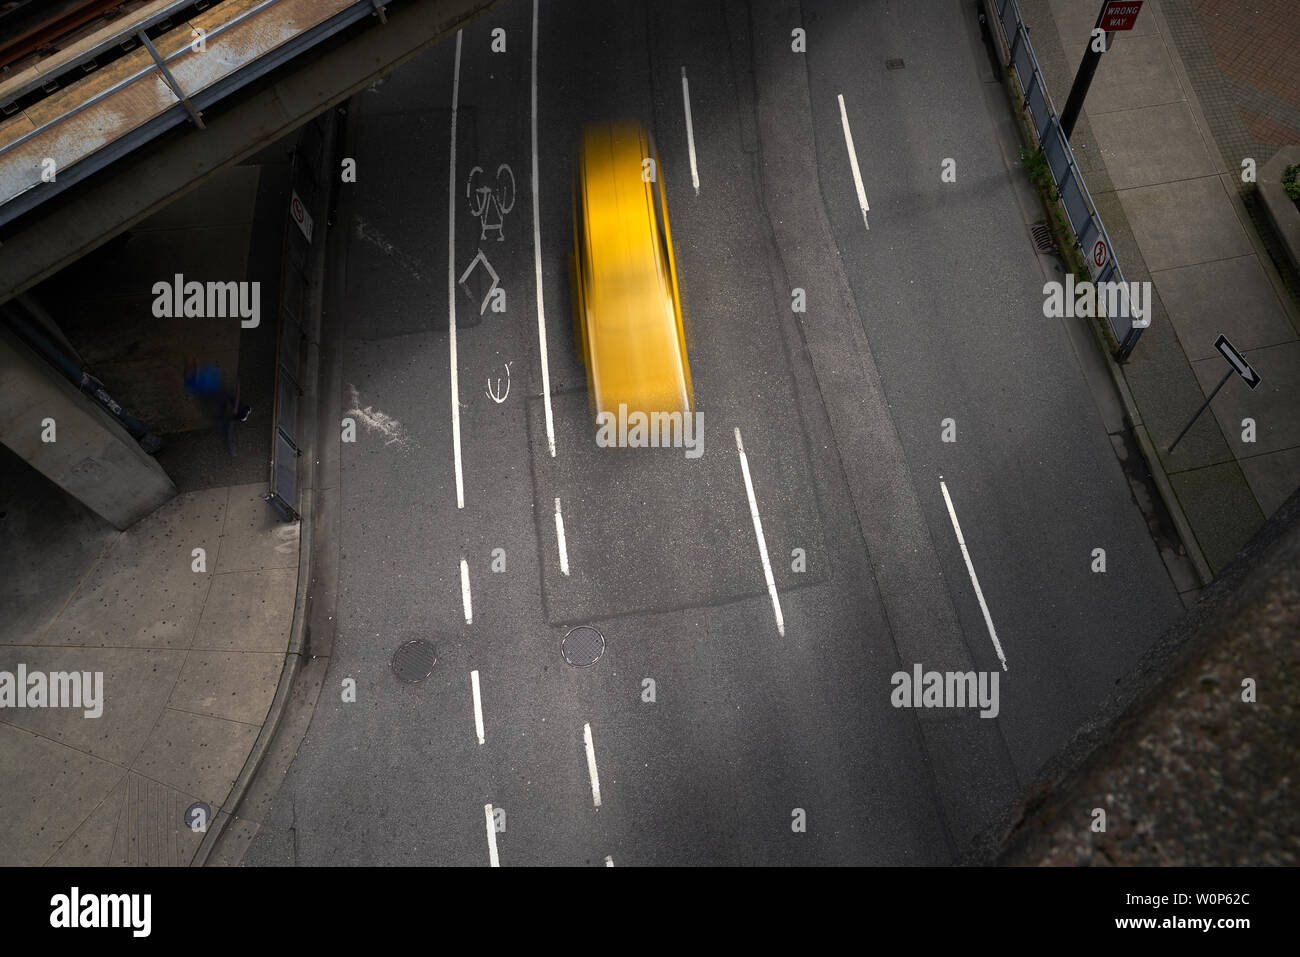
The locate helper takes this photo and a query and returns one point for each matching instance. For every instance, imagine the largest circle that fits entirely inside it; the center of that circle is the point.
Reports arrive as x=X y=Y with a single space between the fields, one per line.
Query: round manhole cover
x=414 y=661
x=582 y=646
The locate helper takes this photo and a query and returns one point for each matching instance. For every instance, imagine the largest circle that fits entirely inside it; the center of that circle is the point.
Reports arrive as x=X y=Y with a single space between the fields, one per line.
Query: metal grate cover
x=582 y=646
x=414 y=660
x=894 y=63
x=1042 y=237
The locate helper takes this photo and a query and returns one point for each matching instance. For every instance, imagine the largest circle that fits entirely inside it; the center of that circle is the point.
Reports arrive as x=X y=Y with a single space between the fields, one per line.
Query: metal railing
x=92 y=133
x=1090 y=236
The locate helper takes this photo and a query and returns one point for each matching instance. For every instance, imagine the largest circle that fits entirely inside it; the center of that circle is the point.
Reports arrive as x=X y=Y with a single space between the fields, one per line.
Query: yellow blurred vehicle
x=627 y=312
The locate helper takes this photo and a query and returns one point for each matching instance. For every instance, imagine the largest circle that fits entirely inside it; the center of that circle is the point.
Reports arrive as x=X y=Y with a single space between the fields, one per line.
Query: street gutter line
x=492 y=836
x=478 y=705
x=591 y=764
x=537 y=253
x=758 y=533
x=853 y=162
x=988 y=620
x=690 y=133
x=451 y=286
x=559 y=536
x=464 y=592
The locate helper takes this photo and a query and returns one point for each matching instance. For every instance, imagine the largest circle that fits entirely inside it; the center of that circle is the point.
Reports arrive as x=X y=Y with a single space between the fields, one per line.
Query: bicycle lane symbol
x=490 y=203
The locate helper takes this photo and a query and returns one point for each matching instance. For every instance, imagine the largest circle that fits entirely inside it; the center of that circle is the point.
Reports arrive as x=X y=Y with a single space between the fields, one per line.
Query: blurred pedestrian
x=206 y=383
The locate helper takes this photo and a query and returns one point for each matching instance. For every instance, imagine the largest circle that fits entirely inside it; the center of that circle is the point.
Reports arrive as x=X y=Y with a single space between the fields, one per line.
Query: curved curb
x=280 y=703
x=1137 y=426
x=307 y=508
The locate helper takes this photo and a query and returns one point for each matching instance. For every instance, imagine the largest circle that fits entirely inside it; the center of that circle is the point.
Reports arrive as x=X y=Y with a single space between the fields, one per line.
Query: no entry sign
x=1120 y=14
x=301 y=216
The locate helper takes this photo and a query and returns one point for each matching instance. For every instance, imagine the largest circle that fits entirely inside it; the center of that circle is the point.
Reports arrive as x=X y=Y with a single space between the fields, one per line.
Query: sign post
x=1238 y=364
x=1115 y=15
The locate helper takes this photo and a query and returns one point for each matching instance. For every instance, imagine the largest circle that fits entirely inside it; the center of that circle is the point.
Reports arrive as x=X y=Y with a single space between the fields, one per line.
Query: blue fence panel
x=1023 y=61
x=1039 y=109
x=1057 y=155
x=1073 y=191
x=1076 y=207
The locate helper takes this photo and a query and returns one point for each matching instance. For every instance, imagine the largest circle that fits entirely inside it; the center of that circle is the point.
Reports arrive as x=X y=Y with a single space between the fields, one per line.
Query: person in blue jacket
x=222 y=405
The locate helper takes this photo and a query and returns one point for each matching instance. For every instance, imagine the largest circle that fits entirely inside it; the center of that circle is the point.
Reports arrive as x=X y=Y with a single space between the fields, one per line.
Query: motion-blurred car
x=627 y=312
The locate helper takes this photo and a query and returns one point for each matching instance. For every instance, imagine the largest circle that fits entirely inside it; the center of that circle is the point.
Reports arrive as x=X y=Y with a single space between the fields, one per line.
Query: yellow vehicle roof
x=636 y=354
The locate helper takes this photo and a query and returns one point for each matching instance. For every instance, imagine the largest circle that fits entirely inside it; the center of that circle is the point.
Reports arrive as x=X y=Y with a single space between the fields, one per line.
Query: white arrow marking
x=480 y=258
x=1244 y=370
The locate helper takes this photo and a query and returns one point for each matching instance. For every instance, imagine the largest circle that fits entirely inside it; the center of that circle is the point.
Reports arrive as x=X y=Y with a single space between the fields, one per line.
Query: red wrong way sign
x=1120 y=15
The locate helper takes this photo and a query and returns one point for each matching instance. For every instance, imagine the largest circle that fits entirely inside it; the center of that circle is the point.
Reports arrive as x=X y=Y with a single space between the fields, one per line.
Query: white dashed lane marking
x=758 y=534
x=979 y=593
x=853 y=162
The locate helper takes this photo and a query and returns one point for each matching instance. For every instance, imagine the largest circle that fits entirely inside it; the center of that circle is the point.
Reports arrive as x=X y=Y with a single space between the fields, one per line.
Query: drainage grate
x=1042 y=236
x=414 y=661
x=896 y=63
x=582 y=646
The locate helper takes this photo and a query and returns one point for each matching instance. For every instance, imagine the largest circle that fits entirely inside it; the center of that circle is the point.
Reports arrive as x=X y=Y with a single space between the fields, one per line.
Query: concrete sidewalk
x=191 y=658
x=190 y=614
x=1161 y=143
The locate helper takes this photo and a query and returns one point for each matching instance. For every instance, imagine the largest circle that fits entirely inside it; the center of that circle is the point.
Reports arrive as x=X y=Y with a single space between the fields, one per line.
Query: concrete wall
x=92 y=458
x=1189 y=767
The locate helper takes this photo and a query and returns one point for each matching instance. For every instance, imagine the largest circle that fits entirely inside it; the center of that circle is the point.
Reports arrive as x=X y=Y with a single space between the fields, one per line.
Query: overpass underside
x=108 y=114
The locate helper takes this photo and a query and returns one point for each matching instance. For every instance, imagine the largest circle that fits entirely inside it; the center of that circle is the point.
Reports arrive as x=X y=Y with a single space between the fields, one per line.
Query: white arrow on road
x=480 y=258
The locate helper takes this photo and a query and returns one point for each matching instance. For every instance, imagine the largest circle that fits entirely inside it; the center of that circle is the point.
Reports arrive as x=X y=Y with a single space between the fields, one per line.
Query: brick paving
x=1241 y=57
x=1264 y=130
x=1256 y=41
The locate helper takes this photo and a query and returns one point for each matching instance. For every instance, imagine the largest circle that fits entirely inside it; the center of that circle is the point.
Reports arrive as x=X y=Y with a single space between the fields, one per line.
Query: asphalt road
x=930 y=312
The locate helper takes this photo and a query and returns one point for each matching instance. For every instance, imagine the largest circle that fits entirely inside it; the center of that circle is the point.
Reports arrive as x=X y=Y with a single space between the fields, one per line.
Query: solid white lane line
x=758 y=533
x=464 y=592
x=988 y=619
x=492 y=836
x=478 y=706
x=690 y=132
x=609 y=861
x=537 y=256
x=451 y=286
x=853 y=162
x=591 y=764
x=559 y=537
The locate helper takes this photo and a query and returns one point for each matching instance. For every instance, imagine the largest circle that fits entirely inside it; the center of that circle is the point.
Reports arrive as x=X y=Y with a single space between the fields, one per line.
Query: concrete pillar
x=92 y=458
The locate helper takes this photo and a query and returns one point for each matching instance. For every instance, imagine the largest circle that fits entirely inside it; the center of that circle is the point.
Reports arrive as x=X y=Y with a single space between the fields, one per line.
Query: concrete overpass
x=129 y=117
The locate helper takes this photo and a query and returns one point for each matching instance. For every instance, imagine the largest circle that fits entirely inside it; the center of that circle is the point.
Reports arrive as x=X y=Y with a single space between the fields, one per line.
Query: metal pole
x=1083 y=79
x=171 y=80
x=1226 y=376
